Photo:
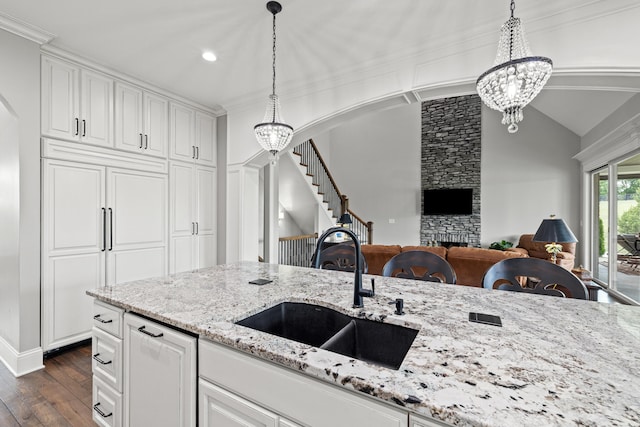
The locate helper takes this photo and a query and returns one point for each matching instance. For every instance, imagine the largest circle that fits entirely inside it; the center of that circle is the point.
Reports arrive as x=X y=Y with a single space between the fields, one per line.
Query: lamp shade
x=345 y=218
x=554 y=230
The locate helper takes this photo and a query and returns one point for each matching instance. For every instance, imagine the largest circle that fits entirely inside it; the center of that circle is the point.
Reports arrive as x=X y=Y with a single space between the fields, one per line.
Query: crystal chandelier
x=516 y=77
x=273 y=134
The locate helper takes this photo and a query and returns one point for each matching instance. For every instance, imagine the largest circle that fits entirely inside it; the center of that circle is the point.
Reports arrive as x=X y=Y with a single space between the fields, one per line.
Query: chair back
x=341 y=257
x=420 y=265
x=536 y=276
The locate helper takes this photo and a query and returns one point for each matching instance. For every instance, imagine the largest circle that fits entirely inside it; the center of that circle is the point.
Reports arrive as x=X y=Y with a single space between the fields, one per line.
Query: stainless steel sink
x=382 y=344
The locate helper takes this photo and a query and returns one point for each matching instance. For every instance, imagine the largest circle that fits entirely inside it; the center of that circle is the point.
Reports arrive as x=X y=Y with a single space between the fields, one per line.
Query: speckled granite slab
x=555 y=361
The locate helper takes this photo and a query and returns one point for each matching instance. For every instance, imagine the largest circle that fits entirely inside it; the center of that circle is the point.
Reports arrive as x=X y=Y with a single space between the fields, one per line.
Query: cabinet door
x=181 y=137
x=60 y=99
x=206 y=216
x=96 y=108
x=218 y=407
x=205 y=139
x=128 y=105
x=73 y=244
x=156 y=124
x=160 y=375
x=182 y=217
x=137 y=205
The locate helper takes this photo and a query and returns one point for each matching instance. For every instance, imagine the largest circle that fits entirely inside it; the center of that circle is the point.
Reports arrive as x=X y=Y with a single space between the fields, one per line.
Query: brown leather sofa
x=469 y=263
x=527 y=246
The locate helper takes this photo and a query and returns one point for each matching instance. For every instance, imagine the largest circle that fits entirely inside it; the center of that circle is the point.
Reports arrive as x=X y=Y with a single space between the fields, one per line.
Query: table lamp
x=554 y=230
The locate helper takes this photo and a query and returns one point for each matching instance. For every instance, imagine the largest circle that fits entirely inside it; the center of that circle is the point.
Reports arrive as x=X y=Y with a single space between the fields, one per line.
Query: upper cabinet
x=192 y=135
x=142 y=120
x=77 y=104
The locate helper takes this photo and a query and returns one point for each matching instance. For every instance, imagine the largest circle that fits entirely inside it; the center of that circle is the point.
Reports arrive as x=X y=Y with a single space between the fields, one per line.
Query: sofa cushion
x=470 y=264
x=378 y=255
x=441 y=251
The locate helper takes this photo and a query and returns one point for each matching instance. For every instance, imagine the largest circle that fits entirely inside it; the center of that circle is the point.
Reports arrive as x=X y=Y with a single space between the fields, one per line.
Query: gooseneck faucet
x=358 y=291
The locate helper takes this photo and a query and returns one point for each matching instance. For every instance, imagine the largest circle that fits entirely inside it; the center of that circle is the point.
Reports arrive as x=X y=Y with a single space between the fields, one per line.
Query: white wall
x=375 y=161
x=20 y=259
x=527 y=176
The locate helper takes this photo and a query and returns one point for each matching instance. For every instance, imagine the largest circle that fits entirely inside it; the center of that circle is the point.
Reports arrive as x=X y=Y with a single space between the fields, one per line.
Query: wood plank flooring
x=58 y=395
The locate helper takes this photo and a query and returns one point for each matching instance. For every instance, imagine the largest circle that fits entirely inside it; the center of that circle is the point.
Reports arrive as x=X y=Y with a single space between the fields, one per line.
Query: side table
x=593 y=289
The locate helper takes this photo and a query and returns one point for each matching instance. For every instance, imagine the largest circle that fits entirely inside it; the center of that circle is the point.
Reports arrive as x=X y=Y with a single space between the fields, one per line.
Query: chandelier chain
x=513 y=7
x=274 y=55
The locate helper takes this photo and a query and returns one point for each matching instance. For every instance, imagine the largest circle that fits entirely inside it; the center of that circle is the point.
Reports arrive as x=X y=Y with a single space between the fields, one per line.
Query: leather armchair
x=566 y=258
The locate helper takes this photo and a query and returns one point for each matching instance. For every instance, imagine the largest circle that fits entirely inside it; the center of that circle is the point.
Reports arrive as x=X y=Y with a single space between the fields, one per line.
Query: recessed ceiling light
x=209 y=56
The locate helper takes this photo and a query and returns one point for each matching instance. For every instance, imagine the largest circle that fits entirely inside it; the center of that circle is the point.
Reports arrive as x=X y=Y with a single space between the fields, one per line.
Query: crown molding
x=25 y=30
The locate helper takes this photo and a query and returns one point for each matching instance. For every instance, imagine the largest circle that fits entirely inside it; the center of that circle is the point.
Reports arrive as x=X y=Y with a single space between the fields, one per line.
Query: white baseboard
x=20 y=363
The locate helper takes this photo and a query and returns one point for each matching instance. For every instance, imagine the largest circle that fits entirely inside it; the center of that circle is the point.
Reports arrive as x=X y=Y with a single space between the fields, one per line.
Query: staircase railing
x=297 y=250
x=321 y=177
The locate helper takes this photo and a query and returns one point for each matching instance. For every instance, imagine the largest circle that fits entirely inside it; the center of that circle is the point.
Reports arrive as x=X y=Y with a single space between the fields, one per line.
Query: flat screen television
x=448 y=201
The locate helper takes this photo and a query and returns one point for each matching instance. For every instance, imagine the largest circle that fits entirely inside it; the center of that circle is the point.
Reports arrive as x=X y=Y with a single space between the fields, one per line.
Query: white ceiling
x=320 y=43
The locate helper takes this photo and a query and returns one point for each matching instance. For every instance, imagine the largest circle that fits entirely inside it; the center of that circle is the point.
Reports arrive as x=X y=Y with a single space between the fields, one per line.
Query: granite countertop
x=555 y=361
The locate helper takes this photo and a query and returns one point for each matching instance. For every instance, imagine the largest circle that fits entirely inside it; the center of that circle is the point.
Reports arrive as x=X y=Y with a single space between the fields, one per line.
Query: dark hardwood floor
x=58 y=395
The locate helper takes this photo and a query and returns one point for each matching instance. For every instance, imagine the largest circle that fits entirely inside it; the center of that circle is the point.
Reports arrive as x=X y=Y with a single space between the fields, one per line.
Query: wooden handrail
x=337 y=202
x=324 y=165
x=301 y=237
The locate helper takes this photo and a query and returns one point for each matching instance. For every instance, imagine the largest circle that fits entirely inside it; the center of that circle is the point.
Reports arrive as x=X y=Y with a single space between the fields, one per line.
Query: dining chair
x=341 y=257
x=420 y=265
x=536 y=276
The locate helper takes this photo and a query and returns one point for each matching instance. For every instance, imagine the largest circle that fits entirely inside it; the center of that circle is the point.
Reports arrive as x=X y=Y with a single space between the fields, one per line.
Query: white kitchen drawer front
x=107 y=405
x=292 y=395
x=108 y=318
x=106 y=360
x=218 y=407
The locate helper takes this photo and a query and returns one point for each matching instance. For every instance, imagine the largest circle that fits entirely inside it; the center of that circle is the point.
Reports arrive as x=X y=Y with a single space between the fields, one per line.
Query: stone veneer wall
x=451 y=148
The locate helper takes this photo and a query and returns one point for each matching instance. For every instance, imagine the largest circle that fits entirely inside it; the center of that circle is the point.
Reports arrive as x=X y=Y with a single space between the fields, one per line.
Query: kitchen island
x=554 y=361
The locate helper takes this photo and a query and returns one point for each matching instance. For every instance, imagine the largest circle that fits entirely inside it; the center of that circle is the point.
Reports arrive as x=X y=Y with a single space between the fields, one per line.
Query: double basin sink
x=379 y=343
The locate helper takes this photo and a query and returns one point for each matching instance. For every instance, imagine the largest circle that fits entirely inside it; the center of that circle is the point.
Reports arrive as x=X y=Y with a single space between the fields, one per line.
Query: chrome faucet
x=358 y=291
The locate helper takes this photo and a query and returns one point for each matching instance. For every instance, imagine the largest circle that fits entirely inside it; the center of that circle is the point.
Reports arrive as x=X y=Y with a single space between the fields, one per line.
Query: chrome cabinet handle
x=140 y=140
x=99 y=411
x=100 y=361
x=193 y=228
x=97 y=317
x=197 y=152
x=84 y=127
x=110 y=229
x=77 y=126
x=197 y=228
x=104 y=230
x=193 y=151
x=146 y=141
x=151 y=334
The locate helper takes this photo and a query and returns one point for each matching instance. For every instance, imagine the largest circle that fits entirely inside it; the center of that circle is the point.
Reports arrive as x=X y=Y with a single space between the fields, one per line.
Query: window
x=615 y=245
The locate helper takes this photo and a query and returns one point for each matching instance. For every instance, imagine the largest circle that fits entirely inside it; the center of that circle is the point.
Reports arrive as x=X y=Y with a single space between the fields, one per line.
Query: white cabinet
x=206 y=146
x=251 y=385
x=218 y=407
x=77 y=103
x=160 y=375
x=101 y=225
x=193 y=135
x=141 y=120
x=107 y=365
x=192 y=216
x=418 y=421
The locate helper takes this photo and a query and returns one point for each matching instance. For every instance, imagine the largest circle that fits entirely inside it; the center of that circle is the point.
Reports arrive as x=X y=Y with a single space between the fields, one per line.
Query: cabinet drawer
x=107 y=318
x=107 y=404
x=106 y=360
x=292 y=395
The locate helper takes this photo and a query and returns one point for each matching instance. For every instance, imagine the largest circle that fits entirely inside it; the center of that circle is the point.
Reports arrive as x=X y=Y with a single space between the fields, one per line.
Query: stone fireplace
x=451 y=148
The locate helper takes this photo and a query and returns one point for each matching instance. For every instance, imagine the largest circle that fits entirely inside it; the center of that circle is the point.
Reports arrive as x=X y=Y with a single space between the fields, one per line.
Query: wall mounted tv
x=448 y=201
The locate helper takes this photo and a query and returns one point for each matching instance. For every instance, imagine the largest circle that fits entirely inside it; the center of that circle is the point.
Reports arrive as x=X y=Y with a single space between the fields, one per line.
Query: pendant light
x=273 y=134
x=516 y=77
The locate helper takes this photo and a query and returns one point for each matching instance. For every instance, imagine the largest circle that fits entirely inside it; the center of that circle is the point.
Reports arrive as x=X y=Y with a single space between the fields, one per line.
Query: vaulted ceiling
x=322 y=44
